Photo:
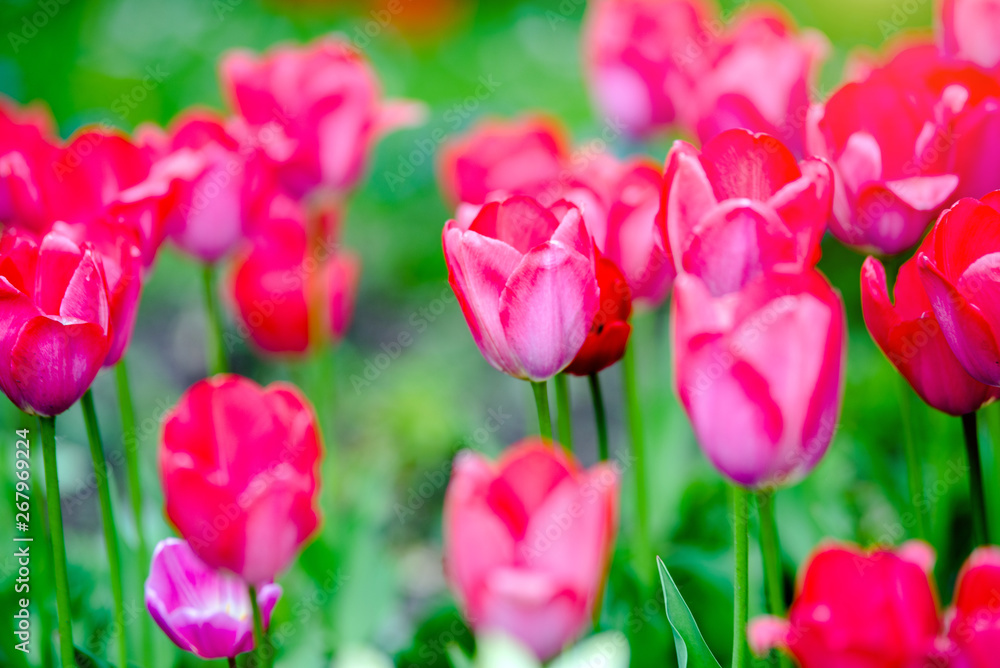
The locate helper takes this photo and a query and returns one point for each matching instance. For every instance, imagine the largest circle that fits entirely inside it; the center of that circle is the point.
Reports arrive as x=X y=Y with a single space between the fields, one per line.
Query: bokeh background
x=394 y=415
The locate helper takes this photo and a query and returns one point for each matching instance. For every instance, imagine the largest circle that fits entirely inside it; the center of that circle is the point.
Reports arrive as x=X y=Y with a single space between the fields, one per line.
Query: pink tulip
x=317 y=111
x=761 y=79
x=970 y=29
x=27 y=147
x=741 y=207
x=55 y=329
x=525 y=277
x=760 y=372
x=527 y=542
x=958 y=267
x=911 y=337
x=239 y=466
x=858 y=609
x=202 y=610
x=973 y=621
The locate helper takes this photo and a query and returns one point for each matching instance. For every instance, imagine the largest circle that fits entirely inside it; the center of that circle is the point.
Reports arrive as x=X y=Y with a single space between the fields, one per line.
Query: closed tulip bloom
x=973 y=621
x=608 y=337
x=958 y=269
x=526 y=280
x=742 y=206
x=317 y=109
x=55 y=331
x=239 y=465
x=860 y=609
x=203 y=610
x=515 y=566
x=970 y=30
x=760 y=373
x=909 y=334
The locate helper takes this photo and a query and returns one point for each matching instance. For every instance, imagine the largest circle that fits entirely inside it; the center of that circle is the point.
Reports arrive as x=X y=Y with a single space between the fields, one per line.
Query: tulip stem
x=232 y=662
x=741 y=609
x=130 y=442
x=564 y=417
x=914 y=474
x=214 y=336
x=770 y=548
x=634 y=414
x=975 y=478
x=541 y=390
x=260 y=642
x=600 y=417
x=47 y=427
x=43 y=537
x=107 y=518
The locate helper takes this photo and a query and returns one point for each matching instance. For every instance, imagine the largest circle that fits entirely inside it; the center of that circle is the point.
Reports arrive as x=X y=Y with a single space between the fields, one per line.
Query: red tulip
x=27 y=147
x=970 y=29
x=760 y=373
x=525 y=277
x=317 y=111
x=608 y=337
x=958 y=269
x=741 y=207
x=910 y=336
x=239 y=466
x=858 y=609
x=974 y=619
x=527 y=542
x=291 y=293
x=56 y=329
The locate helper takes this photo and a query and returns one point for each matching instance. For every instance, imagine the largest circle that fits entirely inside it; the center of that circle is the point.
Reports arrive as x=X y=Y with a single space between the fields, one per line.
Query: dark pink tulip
x=291 y=291
x=742 y=206
x=527 y=541
x=970 y=30
x=643 y=60
x=858 y=609
x=239 y=465
x=55 y=329
x=761 y=79
x=316 y=111
x=760 y=372
x=958 y=266
x=27 y=149
x=202 y=610
x=973 y=621
x=609 y=333
x=525 y=277
x=910 y=336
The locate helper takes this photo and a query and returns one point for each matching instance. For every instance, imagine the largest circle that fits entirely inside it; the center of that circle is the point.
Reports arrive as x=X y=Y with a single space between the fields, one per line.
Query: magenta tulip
x=760 y=373
x=973 y=621
x=202 y=610
x=27 y=148
x=742 y=206
x=239 y=466
x=970 y=30
x=526 y=279
x=528 y=541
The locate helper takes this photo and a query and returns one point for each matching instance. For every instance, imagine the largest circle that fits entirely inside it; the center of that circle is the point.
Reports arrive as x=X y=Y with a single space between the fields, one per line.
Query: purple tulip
x=204 y=611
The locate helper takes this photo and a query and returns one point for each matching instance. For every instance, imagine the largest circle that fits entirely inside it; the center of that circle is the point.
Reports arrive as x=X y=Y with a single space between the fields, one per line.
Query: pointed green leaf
x=692 y=650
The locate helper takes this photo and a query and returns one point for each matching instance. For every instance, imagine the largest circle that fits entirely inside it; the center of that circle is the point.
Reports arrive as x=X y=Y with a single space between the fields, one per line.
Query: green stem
x=634 y=415
x=214 y=337
x=975 y=478
x=600 y=417
x=260 y=640
x=564 y=417
x=541 y=391
x=232 y=662
x=107 y=518
x=130 y=442
x=48 y=432
x=741 y=608
x=770 y=548
x=42 y=537
x=914 y=473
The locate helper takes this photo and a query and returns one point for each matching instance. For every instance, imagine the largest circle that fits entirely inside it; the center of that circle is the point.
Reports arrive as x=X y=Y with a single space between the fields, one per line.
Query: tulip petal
x=739 y=163
x=688 y=199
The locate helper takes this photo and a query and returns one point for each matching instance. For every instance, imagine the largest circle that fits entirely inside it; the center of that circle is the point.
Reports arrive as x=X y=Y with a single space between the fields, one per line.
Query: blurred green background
x=374 y=576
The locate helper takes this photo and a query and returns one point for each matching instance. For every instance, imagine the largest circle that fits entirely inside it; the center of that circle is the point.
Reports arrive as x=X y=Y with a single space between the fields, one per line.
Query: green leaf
x=691 y=645
x=85 y=659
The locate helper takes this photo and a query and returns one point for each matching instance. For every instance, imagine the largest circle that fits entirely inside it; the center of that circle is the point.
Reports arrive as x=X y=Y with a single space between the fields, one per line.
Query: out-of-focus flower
x=605 y=344
x=239 y=465
x=910 y=336
x=525 y=277
x=760 y=372
x=973 y=621
x=608 y=649
x=857 y=608
x=289 y=290
x=54 y=320
x=970 y=29
x=515 y=567
x=317 y=111
x=203 y=610
x=742 y=206
x=27 y=147
x=958 y=266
